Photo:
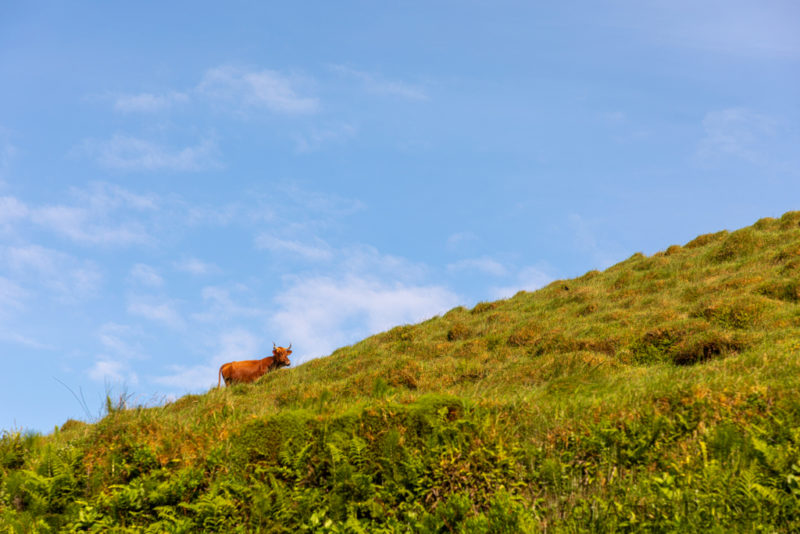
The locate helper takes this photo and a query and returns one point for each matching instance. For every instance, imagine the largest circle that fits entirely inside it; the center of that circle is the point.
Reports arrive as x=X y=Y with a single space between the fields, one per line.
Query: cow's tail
x=219 y=379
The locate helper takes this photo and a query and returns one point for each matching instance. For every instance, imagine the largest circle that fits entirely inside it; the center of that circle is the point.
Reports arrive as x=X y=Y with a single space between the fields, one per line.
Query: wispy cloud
x=736 y=133
x=127 y=153
x=97 y=215
x=484 y=265
x=318 y=203
x=146 y=275
x=298 y=217
x=319 y=137
x=266 y=89
x=376 y=84
x=12 y=210
x=603 y=253
x=156 y=309
x=109 y=370
x=12 y=297
x=367 y=261
x=120 y=346
x=319 y=251
x=148 y=102
x=70 y=279
x=319 y=314
x=196 y=267
x=763 y=30
x=462 y=240
x=527 y=279
x=220 y=306
x=120 y=340
x=105 y=197
x=232 y=345
x=20 y=339
x=79 y=225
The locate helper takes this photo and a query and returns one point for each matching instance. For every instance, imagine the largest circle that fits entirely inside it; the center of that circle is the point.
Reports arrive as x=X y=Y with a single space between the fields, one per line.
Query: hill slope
x=661 y=393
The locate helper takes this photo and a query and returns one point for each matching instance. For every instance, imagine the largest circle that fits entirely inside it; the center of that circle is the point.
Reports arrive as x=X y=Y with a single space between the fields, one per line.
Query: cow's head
x=281 y=355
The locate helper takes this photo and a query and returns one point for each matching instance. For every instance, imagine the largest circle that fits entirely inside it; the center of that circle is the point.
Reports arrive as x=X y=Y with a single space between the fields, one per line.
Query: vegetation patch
x=790 y=220
x=459 y=331
x=785 y=290
x=706 y=345
x=656 y=345
x=658 y=395
x=524 y=336
x=736 y=245
x=740 y=313
x=405 y=373
x=483 y=307
x=706 y=239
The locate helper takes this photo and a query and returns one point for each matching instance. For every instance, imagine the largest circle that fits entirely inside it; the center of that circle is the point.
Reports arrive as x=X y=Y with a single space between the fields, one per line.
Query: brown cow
x=251 y=370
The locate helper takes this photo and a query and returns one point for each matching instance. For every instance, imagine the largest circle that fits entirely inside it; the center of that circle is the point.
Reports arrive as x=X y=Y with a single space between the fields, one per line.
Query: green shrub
x=705 y=239
x=458 y=332
x=735 y=245
x=13 y=448
x=483 y=307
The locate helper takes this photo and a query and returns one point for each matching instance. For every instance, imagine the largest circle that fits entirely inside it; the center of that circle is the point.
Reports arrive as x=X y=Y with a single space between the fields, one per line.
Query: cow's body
x=252 y=370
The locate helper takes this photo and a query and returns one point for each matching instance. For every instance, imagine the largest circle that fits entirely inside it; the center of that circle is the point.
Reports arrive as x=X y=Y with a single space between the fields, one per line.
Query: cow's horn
x=290 y=346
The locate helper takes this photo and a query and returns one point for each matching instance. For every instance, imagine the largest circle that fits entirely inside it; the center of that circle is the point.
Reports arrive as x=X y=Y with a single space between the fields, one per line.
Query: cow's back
x=245 y=371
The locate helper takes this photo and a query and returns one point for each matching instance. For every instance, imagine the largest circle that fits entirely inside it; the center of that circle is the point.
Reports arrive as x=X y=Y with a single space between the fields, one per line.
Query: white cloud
x=156 y=310
x=253 y=211
x=96 y=217
x=320 y=251
x=320 y=203
x=12 y=297
x=256 y=89
x=367 y=261
x=232 y=345
x=613 y=117
x=119 y=339
x=222 y=307
x=119 y=348
x=128 y=153
x=603 y=253
x=377 y=85
x=108 y=370
x=297 y=216
x=69 y=278
x=146 y=275
x=196 y=267
x=11 y=211
x=737 y=133
x=753 y=30
x=528 y=279
x=83 y=226
x=318 y=137
x=148 y=102
x=104 y=197
x=19 y=339
x=319 y=314
x=484 y=265
x=461 y=240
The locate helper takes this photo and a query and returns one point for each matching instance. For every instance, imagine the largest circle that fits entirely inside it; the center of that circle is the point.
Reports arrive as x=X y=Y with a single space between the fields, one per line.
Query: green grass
x=660 y=394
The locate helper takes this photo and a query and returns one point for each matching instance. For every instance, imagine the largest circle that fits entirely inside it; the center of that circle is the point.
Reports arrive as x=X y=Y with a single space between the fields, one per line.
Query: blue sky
x=183 y=183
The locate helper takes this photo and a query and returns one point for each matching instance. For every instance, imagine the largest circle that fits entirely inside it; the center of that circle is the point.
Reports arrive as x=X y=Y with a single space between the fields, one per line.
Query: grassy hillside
x=661 y=394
